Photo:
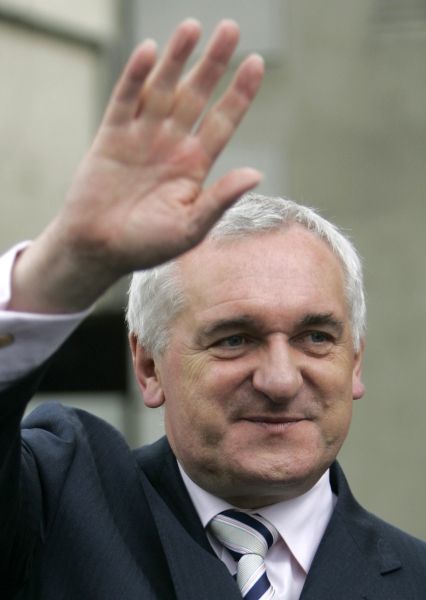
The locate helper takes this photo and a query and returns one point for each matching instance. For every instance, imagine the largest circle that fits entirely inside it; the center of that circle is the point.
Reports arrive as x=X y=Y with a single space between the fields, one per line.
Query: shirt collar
x=301 y=521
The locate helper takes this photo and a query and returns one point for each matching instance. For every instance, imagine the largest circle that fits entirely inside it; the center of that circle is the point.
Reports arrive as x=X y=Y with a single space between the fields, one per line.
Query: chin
x=285 y=475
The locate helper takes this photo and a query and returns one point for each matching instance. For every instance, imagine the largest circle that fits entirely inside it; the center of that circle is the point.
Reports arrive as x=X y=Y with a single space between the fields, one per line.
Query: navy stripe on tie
x=251 y=522
x=261 y=586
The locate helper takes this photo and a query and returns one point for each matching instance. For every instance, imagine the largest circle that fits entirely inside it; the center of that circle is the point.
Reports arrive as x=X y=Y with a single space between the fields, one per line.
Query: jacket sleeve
x=20 y=491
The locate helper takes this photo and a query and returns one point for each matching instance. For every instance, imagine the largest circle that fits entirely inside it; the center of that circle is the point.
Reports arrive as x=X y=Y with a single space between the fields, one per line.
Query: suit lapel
x=160 y=467
x=353 y=561
x=196 y=572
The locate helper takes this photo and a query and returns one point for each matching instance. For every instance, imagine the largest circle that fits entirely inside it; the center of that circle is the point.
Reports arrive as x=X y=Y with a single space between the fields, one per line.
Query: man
x=253 y=342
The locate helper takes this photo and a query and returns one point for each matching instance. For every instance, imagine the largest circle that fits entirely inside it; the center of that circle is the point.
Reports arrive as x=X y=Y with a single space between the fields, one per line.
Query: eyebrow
x=224 y=325
x=321 y=320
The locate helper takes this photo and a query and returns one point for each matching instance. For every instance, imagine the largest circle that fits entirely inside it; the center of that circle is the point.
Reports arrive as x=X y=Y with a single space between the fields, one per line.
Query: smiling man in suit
x=252 y=340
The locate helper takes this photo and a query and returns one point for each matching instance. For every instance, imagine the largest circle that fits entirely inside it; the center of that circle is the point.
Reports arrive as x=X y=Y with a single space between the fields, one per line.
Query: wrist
x=51 y=276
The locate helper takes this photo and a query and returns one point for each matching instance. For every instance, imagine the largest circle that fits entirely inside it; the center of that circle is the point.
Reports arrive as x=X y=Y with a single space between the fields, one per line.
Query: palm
x=139 y=197
x=142 y=183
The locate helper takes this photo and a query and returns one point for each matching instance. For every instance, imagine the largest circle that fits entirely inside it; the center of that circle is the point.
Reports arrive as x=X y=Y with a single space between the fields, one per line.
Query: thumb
x=214 y=200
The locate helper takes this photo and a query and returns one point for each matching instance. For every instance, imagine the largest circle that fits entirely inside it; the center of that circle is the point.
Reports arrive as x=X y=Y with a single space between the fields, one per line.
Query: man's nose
x=277 y=374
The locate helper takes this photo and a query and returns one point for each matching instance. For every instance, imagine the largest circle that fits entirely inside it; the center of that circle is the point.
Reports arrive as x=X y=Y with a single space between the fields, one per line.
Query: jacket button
x=6 y=339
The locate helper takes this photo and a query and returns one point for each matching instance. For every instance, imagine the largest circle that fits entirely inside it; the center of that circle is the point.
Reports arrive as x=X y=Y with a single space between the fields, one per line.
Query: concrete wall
x=51 y=58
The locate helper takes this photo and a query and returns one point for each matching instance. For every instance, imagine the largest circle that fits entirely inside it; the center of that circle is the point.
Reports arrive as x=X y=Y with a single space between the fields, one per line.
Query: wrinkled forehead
x=290 y=257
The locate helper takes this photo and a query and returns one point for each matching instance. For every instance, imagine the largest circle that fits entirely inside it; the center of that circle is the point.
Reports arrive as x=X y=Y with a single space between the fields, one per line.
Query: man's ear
x=146 y=374
x=358 y=388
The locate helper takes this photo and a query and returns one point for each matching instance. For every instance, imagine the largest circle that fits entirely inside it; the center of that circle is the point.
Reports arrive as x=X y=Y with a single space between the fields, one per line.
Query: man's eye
x=318 y=343
x=232 y=341
x=318 y=337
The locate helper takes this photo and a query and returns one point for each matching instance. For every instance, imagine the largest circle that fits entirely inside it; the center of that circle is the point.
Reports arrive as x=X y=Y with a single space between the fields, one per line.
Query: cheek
x=336 y=426
x=332 y=389
x=196 y=430
x=331 y=378
x=199 y=400
x=193 y=401
x=212 y=382
x=336 y=417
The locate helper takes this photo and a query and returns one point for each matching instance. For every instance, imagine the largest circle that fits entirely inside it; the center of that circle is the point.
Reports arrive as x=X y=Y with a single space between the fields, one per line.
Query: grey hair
x=156 y=296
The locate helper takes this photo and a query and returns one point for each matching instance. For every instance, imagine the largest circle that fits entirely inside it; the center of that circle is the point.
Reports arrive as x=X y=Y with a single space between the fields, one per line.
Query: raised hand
x=138 y=198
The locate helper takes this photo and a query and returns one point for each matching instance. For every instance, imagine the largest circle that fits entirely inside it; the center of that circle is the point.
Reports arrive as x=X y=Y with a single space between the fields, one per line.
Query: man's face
x=260 y=371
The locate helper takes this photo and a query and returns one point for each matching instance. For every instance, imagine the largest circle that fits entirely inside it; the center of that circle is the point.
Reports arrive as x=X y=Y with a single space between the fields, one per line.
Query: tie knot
x=242 y=533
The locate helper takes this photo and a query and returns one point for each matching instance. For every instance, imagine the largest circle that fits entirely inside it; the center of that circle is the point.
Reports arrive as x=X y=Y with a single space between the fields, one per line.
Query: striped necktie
x=248 y=538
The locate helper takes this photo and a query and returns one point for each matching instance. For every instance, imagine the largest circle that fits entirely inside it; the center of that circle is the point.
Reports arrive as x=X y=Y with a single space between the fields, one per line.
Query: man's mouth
x=275 y=423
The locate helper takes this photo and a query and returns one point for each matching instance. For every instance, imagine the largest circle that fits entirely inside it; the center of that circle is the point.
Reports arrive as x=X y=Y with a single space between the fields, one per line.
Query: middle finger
x=196 y=88
x=158 y=93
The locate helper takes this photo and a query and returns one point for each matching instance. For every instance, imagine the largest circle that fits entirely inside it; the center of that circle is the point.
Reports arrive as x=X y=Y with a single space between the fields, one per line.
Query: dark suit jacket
x=82 y=517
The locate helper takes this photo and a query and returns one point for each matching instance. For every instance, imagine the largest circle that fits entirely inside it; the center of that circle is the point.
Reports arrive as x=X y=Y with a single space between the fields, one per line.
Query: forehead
x=288 y=271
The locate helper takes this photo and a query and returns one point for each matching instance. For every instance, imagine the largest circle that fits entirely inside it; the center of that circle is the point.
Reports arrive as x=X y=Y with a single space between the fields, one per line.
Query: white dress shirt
x=301 y=523
x=33 y=337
